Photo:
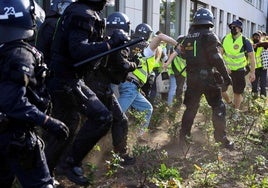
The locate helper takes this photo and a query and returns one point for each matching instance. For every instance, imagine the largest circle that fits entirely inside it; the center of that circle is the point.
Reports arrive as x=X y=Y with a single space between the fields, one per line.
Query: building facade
x=174 y=17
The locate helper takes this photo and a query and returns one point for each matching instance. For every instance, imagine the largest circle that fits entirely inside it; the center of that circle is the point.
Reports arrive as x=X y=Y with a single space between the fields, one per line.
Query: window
x=195 y=5
x=260 y=4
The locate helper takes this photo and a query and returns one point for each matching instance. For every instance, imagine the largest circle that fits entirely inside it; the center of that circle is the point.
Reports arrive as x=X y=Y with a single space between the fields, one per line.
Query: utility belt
x=134 y=81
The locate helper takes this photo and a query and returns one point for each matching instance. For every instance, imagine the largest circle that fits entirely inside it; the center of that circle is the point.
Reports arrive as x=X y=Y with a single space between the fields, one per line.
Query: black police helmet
x=117 y=20
x=17 y=19
x=143 y=30
x=203 y=16
x=60 y=5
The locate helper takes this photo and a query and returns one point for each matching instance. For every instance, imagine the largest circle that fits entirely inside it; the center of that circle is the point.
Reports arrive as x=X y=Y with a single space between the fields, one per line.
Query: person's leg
x=239 y=84
x=226 y=97
x=120 y=132
x=238 y=99
x=214 y=99
x=56 y=149
x=143 y=105
x=263 y=78
x=128 y=92
x=153 y=91
x=28 y=162
x=255 y=83
x=191 y=101
x=6 y=175
x=97 y=124
x=179 y=92
x=172 y=89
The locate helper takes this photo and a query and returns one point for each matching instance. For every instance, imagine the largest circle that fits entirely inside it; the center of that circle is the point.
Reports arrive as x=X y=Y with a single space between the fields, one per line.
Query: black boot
x=74 y=172
x=76 y=175
x=122 y=152
x=127 y=160
x=226 y=143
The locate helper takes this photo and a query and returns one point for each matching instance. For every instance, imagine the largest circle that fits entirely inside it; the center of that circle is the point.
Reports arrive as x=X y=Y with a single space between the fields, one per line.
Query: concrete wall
x=133 y=8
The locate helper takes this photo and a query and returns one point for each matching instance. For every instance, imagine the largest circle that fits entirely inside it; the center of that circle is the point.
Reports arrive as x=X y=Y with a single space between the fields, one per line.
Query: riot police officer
x=79 y=35
x=43 y=43
x=46 y=30
x=21 y=150
x=205 y=68
x=114 y=71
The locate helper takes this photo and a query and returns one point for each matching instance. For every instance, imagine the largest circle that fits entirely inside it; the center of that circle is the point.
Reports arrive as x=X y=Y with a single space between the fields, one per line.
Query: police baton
x=132 y=42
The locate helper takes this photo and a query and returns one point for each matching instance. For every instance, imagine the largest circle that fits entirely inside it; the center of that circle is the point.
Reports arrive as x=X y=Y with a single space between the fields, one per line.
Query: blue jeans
x=172 y=89
x=130 y=96
x=176 y=88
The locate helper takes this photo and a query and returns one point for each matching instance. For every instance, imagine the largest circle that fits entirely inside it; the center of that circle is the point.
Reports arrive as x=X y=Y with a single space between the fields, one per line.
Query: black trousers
x=22 y=156
x=195 y=89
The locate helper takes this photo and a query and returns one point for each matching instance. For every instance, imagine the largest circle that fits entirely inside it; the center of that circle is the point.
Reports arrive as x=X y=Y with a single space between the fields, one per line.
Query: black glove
x=57 y=127
x=118 y=38
x=130 y=66
x=227 y=80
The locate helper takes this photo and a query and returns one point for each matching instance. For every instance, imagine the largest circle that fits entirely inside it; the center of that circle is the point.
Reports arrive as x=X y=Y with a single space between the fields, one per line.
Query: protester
x=130 y=91
x=260 y=70
x=237 y=50
x=177 y=74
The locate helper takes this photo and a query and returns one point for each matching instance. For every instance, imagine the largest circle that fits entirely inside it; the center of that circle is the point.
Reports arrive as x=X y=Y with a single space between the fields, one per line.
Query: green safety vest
x=147 y=65
x=179 y=65
x=258 y=57
x=233 y=58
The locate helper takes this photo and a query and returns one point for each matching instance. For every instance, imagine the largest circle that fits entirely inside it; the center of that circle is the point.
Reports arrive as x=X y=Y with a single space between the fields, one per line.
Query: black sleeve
x=82 y=40
x=214 y=56
x=13 y=99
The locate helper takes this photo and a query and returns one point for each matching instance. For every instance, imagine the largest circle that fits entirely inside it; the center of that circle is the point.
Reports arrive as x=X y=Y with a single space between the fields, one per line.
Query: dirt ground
x=161 y=140
x=202 y=164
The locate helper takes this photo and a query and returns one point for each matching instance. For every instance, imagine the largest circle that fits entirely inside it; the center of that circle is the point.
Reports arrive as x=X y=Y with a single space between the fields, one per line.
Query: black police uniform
x=79 y=36
x=45 y=35
x=114 y=71
x=201 y=54
x=21 y=150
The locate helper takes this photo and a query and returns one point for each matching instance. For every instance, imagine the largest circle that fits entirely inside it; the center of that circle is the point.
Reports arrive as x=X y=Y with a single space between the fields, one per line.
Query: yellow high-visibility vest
x=147 y=65
x=180 y=64
x=258 y=57
x=234 y=59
